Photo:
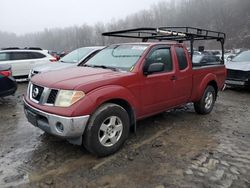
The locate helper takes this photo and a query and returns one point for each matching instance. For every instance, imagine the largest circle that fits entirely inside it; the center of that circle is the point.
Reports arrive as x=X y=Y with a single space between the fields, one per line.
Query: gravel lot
x=177 y=148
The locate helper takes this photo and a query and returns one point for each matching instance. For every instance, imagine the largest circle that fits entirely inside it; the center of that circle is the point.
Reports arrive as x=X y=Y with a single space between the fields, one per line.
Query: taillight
x=53 y=60
x=5 y=73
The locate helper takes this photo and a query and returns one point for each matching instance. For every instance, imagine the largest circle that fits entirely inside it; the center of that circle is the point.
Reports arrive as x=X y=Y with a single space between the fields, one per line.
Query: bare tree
x=231 y=17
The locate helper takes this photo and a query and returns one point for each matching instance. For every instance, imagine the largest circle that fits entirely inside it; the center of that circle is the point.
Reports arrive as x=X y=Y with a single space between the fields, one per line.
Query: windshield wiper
x=65 y=61
x=102 y=66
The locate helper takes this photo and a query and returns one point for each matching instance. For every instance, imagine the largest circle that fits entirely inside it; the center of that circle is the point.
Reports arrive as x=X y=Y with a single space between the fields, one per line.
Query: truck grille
x=52 y=96
x=42 y=95
x=237 y=74
x=36 y=92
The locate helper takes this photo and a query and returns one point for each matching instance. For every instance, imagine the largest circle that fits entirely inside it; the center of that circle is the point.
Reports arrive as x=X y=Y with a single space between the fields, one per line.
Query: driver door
x=158 y=88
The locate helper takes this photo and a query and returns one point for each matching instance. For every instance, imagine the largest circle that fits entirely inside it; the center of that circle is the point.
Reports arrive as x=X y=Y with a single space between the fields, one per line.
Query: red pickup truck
x=97 y=104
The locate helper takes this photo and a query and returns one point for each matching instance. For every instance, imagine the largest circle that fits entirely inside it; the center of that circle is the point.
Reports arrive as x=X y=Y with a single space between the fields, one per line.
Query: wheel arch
x=214 y=84
x=209 y=79
x=117 y=95
x=128 y=107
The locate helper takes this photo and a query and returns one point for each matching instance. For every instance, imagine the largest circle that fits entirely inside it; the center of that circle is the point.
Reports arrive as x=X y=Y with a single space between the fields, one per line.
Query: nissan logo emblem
x=35 y=92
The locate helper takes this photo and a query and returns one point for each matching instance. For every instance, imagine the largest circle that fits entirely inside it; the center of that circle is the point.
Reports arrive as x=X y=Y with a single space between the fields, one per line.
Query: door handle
x=173 y=77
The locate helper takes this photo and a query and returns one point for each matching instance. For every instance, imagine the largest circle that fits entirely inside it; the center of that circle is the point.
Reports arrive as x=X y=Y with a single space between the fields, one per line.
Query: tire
x=206 y=103
x=107 y=130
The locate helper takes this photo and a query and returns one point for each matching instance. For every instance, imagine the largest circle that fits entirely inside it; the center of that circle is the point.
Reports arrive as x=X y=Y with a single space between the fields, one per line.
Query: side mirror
x=155 y=67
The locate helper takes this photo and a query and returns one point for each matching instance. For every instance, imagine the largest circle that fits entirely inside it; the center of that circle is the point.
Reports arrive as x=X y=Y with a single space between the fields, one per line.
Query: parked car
x=62 y=54
x=196 y=53
x=74 y=58
x=23 y=60
x=96 y=105
x=238 y=70
x=216 y=52
x=228 y=57
x=8 y=84
x=54 y=54
x=199 y=60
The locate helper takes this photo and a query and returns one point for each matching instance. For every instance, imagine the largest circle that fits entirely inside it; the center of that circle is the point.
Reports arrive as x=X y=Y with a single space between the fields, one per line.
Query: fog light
x=59 y=127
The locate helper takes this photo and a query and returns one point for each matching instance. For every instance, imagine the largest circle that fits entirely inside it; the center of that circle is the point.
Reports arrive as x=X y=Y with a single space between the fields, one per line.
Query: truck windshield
x=122 y=57
x=243 y=56
x=76 y=55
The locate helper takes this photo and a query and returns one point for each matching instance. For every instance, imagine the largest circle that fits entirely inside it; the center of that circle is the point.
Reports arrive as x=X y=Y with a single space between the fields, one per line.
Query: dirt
x=178 y=148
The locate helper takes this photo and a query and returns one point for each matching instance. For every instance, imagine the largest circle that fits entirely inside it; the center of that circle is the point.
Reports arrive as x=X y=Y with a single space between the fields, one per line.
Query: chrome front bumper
x=70 y=128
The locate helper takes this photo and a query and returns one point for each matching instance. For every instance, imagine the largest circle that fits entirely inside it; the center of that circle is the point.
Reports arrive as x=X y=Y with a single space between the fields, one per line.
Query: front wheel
x=107 y=130
x=206 y=103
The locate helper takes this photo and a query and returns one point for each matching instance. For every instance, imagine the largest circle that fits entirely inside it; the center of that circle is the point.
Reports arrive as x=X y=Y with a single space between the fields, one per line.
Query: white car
x=23 y=60
x=238 y=70
x=75 y=58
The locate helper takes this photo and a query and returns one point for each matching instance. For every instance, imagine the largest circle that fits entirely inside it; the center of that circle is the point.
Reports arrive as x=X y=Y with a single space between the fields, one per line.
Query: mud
x=177 y=148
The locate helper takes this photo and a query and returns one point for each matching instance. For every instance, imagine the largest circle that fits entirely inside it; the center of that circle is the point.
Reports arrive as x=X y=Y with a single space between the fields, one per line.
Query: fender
x=98 y=96
x=203 y=84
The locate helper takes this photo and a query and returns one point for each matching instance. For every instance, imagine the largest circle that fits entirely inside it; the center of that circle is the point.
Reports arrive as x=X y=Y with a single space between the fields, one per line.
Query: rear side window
x=160 y=55
x=214 y=59
x=210 y=59
x=36 y=55
x=19 y=55
x=182 y=59
x=5 y=56
x=206 y=59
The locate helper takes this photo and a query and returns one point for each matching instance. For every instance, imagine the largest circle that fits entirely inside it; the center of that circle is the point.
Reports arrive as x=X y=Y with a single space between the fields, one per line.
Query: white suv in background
x=23 y=60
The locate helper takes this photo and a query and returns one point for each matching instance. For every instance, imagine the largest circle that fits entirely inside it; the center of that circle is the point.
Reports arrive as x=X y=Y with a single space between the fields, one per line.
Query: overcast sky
x=24 y=16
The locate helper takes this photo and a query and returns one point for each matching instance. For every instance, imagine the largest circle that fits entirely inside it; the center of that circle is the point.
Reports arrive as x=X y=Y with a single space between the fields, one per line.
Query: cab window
x=160 y=55
x=182 y=59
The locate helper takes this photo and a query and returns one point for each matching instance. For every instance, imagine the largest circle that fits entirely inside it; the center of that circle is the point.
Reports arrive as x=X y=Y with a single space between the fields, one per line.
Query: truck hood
x=234 y=65
x=78 y=78
x=54 y=66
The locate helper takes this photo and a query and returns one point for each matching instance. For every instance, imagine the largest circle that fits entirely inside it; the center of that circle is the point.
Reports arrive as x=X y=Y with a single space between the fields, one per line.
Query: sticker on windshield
x=139 y=47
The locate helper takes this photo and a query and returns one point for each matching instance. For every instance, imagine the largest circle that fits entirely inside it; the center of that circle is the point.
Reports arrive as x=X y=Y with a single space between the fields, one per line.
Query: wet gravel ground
x=177 y=148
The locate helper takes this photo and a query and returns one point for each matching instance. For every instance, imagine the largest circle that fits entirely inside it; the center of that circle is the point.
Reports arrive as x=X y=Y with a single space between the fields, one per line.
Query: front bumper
x=238 y=82
x=70 y=128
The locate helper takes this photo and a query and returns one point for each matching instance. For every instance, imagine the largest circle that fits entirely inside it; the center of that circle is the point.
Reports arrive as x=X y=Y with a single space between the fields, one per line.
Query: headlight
x=66 y=98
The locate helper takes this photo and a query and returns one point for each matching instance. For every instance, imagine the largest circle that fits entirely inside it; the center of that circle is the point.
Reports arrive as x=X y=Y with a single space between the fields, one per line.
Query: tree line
x=229 y=16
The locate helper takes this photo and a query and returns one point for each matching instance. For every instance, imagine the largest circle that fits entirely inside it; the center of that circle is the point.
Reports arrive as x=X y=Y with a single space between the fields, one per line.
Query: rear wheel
x=107 y=130
x=206 y=103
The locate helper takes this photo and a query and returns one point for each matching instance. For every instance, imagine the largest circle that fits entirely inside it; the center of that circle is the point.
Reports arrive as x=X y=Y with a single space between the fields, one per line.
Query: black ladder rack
x=168 y=33
x=178 y=34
